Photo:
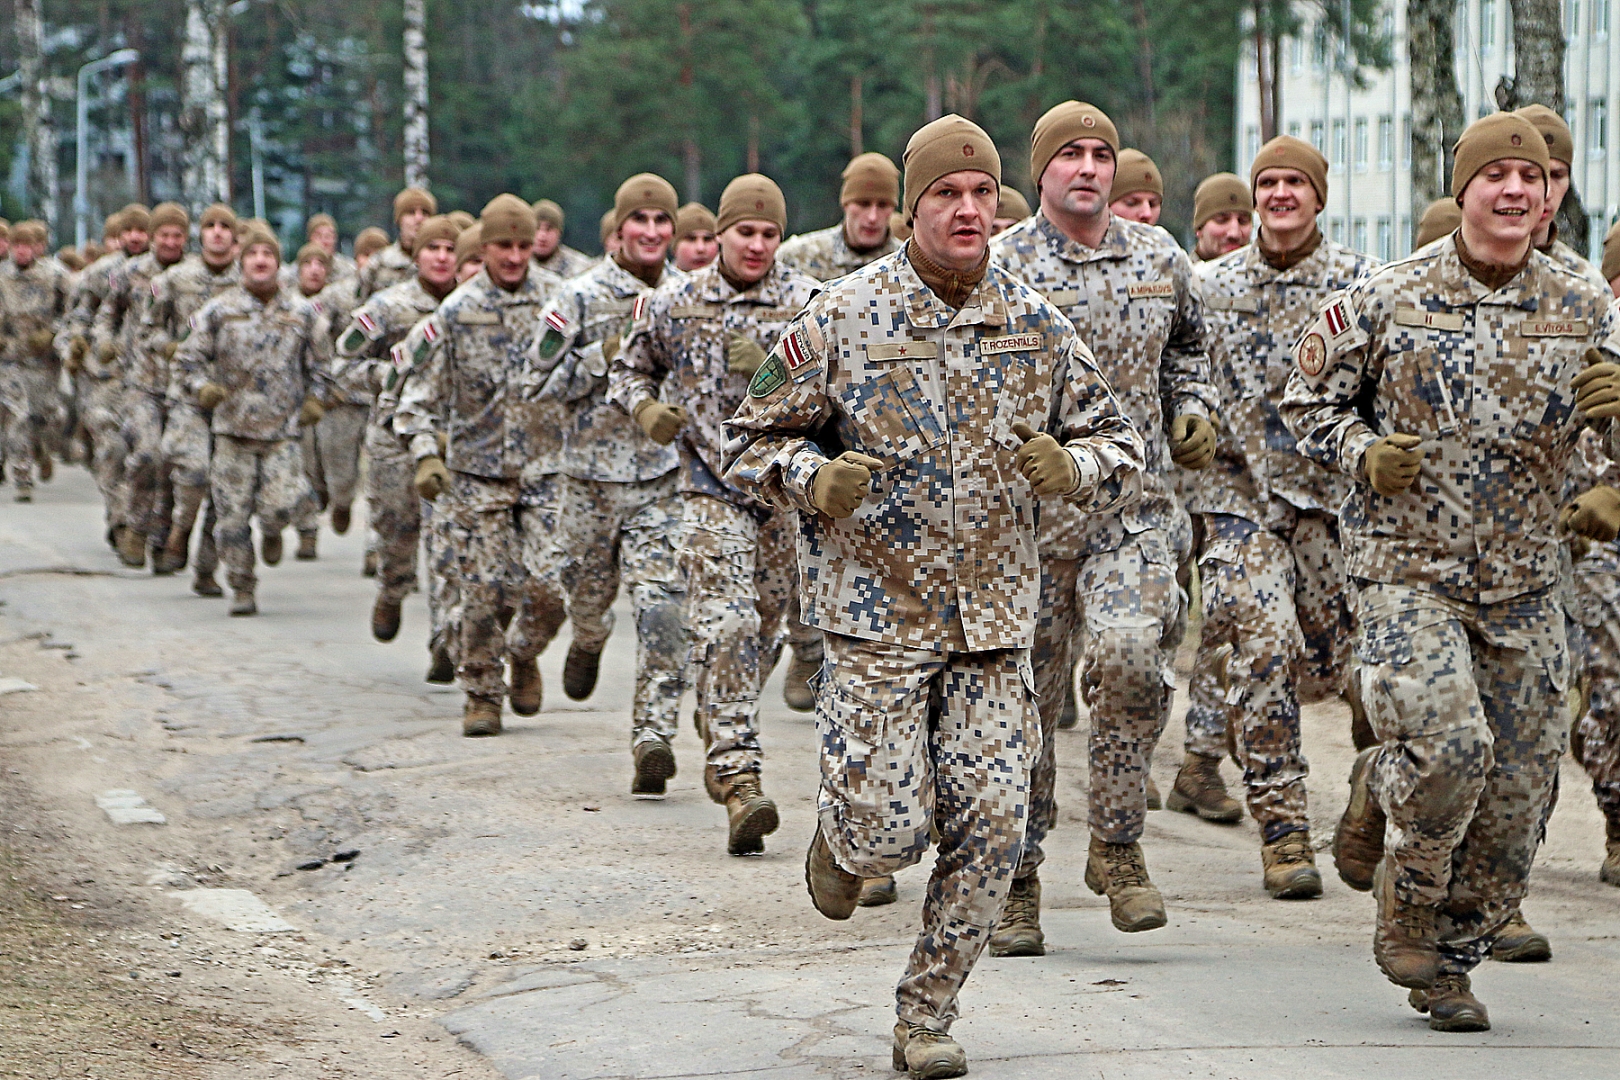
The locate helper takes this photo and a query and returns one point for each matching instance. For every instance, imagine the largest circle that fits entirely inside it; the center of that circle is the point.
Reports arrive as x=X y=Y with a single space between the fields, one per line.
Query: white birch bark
x=203 y=122
x=416 y=94
x=38 y=132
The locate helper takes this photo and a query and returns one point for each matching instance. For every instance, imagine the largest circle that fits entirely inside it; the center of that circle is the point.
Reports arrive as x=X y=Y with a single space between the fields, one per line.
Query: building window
x=1572 y=19
x=1361 y=144
x=1594 y=241
x=1293 y=129
x=1318 y=139
x=1336 y=230
x=1386 y=143
x=1341 y=152
x=1251 y=142
x=1487 y=27
x=1318 y=49
x=1386 y=239
x=1406 y=142
x=1296 y=55
x=1600 y=19
x=1597 y=126
x=1358 y=235
x=1405 y=237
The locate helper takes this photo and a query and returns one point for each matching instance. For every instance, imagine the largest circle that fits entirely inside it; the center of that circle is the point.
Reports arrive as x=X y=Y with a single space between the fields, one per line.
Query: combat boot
x=442 y=668
x=1018 y=931
x=1200 y=790
x=580 y=671
x=921 y=1053
x=752 y=816
x=655 y=764
x=341 y=517
x=1119 y=871
x=270 y=548
x=1154 y=802
x=878 y=891
x=131 y=548
x=1358 y=843
x=480 y=716
x=242 y=603
x=1609 y=872
x=384 y=618
x=1520 y=943
x=1290 y=867
x=796 y=691
x=833 y=890
x=1069 y=715
x=205 y=585
x=172 y=558
x=1451 y=1005
x=523 y=686
x=306 y=546
x=1403 y=941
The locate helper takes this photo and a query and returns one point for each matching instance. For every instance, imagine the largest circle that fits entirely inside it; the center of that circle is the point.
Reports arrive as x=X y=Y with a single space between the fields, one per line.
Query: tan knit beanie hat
x=507 y=217
x=950 y=144
x=314 y=251
x=1135 y=172
x=1219 y=193
x=1560 y=143
x=546 y=210
x=1611 y=253
x=414 y=198
x=751 y=197
x=694 y=217
x=1493 y=138
x=137 y=216
x=1013 y=204
x=1287 y=152
x=216 y=213
x=256 y=236
x=28 y=232
x=370 y=241
x=644 y=191
x=899 y=227
x=439 y=227
x=111 y=229
x=469 y=245
x=1440 y=218
x=870 y=176
x=462 y=219
x=169 y=213
x=608 y=225
x=316 y=221
x=1061 y=125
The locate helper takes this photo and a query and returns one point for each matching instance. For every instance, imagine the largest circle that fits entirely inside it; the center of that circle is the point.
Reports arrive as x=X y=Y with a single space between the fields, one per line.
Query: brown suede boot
x=655 y=764
x=1200 y=790
x=796 y=691
x=1520 y=943
x=1451 y=1005
x=1018 y=931
x=1609 y=872
x=131 y=547
x=306 y=547
x=384 y=618
x=523 y=686
x=1403 y=942
x=1119 y=871
x=1358 y=843
x=1290 y=867
x=751 y=816
x=924 y=1054
x=480 y=716
x=833 y=890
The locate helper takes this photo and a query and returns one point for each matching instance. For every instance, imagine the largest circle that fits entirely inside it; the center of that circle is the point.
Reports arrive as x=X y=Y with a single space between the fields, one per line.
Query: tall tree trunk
x=1437 y=106
x=1144 y=58
x=133 y=29
x=203 y=122
x=691 y=155
x=1538 y=77
x=857 y=118
x=416 y=94
x=38 y=132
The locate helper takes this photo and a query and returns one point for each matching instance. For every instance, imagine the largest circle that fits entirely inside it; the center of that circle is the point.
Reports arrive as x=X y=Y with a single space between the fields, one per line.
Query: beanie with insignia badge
x=314 y=251
x=137 y=217
x=31 y=231
x=950 y=144
x=462 y=219
x=1497 y=137
x=644 y=191
x=1221 y=193
x=751 y=197
x=1440 y=218
x=113 y=227
x=414 y=198
x=1134 y=171
x=1560 y=143
x=1287 y=152
x=549 y=211
x=870 y=177
x=691 y=218
x=469 y=245
x=218 y=214
x=1061 y=125
x=316 y=221
x=439 y=227
x=507 y=218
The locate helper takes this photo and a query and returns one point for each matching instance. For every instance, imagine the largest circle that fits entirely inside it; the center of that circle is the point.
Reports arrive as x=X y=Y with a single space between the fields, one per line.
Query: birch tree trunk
x=204 y=127
x=38 y=131
x=1437 y=106
x=1538 y=78
x=416 y=94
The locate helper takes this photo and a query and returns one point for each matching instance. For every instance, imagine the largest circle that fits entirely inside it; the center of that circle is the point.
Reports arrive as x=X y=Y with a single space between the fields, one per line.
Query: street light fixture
x=81 y=173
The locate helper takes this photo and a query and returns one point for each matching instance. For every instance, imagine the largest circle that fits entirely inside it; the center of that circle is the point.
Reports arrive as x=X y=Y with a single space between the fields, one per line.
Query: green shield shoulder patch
x=771 y=377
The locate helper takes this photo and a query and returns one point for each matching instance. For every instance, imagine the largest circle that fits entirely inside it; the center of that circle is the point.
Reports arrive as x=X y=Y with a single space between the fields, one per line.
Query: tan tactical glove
x=743 y=356
x=311 y=411
x=1192 y=441
x=211 y=394
x=839 y=486
x=38 y=342
x=168 y=349
x=1597 y=387
x=661 y=422
x=1392 y=463
x=610 y=346
x=432 y=478
x=1042 y=461
x=1594 y=514
x=106 y=351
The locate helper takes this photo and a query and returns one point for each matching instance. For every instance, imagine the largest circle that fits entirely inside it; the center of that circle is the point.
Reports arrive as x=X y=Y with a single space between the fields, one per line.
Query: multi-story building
x=1366 y=133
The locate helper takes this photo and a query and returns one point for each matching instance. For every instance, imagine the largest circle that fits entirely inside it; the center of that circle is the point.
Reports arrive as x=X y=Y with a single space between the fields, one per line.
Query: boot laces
x=745 y=787
x=1126 y=867
x=1447 y=985
x=1020 y=907
x=1295 y=847
x=916 y=1033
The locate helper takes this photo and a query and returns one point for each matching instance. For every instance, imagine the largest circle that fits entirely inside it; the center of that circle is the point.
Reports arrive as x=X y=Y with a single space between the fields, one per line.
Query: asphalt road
x=512 y=891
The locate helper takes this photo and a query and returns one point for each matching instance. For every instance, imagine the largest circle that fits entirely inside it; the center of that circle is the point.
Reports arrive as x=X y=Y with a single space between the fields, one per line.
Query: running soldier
x=695 y=242
x=33 y=297
x=257 y=357
x=463 y=387
x=550 y=253
x=685 y=369
x=178 y=294
x=1560 y=152
x=332 y=445
x=366 y=245
x=1445 y=386
x=1138 y=190
x=1223 y=215
x=617 y=489
x=392 y=264
x=1276 y=626
x=1110 y=580
x=869 y=195
x=917 y=542
x=322 y=230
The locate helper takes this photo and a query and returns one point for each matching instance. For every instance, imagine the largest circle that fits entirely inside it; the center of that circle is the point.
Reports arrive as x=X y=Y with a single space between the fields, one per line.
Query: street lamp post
x=81 y=173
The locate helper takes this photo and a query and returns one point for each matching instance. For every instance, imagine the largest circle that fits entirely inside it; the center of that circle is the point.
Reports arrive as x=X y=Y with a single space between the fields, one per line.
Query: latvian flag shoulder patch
x=1336 y=319
x=796 y=352
x=557 y=321
x=367 y=323
x=639 y=308
x=430 y=330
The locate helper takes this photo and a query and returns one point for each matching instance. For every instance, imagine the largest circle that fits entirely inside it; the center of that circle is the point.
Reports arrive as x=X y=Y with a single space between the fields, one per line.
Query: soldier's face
x=1143 y=206
x=409 y=223
x=748 y=248
x=546 y=238
x=1078 y=178
x=326 y=237
x=469 y=269
x=1226 y=231
x=169 y=242
x=1285 y=200
x=135 y=241
x=866 y=222
x=311 y=276
x=23 y=254
x=696 y=250
x=436 y=263
x=508 y=261
x=1503 y=202
x=1557 y=188
x=259 y=266
x=952 y=221
x=217 y=239
x=644 y=236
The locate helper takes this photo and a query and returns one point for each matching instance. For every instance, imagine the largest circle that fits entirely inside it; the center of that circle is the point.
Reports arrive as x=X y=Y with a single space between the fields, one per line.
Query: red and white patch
x=431 y=330
x=794 y=351
x=155 y=293
x=557 y=320
x=396 y=353
x=638 y=308
x=367 y=323
x=1338 y=323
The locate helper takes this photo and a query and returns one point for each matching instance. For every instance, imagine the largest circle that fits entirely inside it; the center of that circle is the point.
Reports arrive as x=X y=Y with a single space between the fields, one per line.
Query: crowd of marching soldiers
x=946 y=455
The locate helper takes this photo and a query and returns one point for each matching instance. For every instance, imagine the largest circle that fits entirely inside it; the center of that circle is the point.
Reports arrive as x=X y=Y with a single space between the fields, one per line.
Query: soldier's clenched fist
x=1042 y=461
x=839 y=486
x=1393 y=463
